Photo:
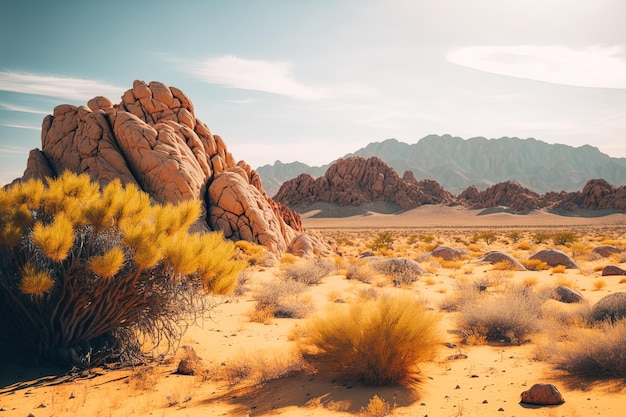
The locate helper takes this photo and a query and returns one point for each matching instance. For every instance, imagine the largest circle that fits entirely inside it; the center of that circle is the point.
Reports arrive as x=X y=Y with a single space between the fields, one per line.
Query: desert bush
x=509 y=316
x=402 y=271
x=359 y=270
x=376 y=407
x=383 y=240
x=253 y=253
x=456 y=264
x=307 y=271
x=90 y=273
x=380 y=341
x=427 y=238
x=262 y=366
x=598 y=284
x=514 y=235
x=563 y=238
x=503 y=266
x=541 y=237
x=523 y=245
x=559 y=269
x=283 y=299
x=534 y=264
x=596 y=353
x=488 y=237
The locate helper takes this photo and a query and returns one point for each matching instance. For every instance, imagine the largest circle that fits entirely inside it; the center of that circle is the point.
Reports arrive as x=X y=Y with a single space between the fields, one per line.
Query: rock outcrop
x=610 y=307
x=542 y=394
x=449 y=254
x=613 y=270
x=355 y=181
x=152 y=138
x=568 y=295
x=509 y=194
x=496 y=256
x=555 y=257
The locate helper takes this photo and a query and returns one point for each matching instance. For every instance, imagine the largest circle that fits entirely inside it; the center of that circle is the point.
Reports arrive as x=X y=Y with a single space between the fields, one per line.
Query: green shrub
x=87 y=274
x=383 y=240
x=541 y=237
x=563 y=238
x=379 y=341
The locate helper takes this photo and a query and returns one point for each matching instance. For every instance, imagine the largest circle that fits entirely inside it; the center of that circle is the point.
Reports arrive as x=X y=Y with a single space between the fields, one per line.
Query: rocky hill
x=356 y=181
x=456 y=163
x=153 y=139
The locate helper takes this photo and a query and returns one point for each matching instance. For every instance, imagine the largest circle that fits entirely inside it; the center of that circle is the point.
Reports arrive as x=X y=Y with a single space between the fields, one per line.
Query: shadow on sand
x=312 y=391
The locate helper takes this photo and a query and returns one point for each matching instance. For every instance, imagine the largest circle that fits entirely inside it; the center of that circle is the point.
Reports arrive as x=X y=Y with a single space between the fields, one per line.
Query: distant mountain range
x=457 y=163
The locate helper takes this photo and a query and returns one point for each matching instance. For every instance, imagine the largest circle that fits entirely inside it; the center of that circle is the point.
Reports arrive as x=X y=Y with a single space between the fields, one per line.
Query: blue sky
x=313 y=80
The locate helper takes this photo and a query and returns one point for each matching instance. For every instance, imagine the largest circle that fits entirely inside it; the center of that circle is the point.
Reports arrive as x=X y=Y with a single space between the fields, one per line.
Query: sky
x=314 y=80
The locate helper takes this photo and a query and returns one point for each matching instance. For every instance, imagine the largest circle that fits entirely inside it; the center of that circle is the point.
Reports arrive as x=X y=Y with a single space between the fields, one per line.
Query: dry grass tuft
x=598 y=284
x=559 y=269
x=534 y=265
x=377 y=407
x=598 y=352
x=307 y=271
x=380 y=342
x=263 y=366
x=281 y=298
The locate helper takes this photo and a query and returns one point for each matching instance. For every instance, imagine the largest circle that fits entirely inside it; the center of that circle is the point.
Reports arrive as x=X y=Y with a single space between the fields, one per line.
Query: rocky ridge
x=152 y=138
x=354 y=181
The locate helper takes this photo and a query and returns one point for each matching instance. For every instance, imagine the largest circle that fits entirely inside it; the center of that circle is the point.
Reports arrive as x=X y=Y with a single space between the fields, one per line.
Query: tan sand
x=487 y=383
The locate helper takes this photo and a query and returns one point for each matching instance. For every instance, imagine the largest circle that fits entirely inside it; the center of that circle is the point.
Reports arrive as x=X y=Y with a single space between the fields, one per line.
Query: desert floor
x=483 y=379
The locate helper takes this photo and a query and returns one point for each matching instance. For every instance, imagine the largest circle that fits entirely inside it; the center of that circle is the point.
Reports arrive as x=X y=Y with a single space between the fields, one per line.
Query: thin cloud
x=12 y=150
x=258 y=75
x=20 y=126
x=22 y=109
x=595 y=67
x=59 y=87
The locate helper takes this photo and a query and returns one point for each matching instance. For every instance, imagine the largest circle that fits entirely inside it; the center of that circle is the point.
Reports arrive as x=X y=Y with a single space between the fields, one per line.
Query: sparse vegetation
x=307 y=271
x=563 y=238
x=380 y=342
x=283 y=299
x=383 y=240
x=377 y=407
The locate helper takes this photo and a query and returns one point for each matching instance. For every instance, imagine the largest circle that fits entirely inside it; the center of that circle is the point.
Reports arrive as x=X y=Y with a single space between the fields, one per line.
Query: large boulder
x=555 y=257
x=496 y=256
x=448 y=253
x=611 y=307
x=152 y=138
x=606 y=250
x=566 y=294
x=613 y=270
x=542 y=394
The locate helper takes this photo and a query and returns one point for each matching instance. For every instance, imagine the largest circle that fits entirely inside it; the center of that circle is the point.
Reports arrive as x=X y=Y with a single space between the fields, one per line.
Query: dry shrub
x=622 y=280
x=253 y=253
x=380 y=341
x=509 y=316
x=599 y=352
x=503 y=266
x=523 y=245
x=563 y=238
x=559 y=269
x=566 y=282
x=430 y=281
x=598 y=284
x=598 y=268
x=307 y=271
x=451 y=264
x=281 y=298
x=428 y=247
x=360 y=270
x=143 y=379
x=377 y=407
x=530 y=281
x=432 y=268
x=289 y=258
x=560 y=316
x=263 y=366
x=534 y=265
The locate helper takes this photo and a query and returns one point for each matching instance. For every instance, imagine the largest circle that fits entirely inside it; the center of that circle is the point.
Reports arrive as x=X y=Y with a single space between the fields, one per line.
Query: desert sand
x=460 y=380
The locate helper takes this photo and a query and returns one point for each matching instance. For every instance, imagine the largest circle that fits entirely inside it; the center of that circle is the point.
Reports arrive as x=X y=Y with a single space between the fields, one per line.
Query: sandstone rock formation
x=152 y=138
x=509 y=194
x=355 y=181
x=542 y=394
x=555 y=257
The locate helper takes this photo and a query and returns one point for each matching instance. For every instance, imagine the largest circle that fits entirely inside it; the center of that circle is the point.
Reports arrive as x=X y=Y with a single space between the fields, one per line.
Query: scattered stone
x=457 y=387
x=72 y=396
x=611 y=307
x=613 y=270
x=500 y=409
x=449 y=254
x=186 y=367
x=485 y=402
x=567 y=295
x=457 y=356
x=606 y=250
x=555 y=257
x=542 y=394
x=496 y=256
